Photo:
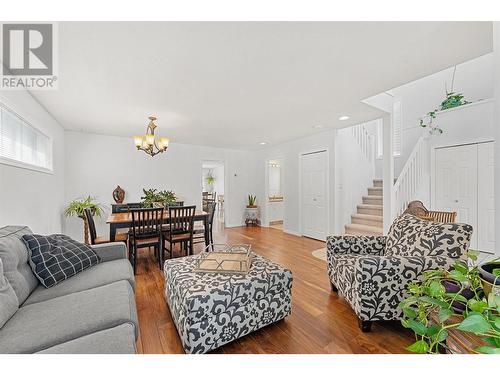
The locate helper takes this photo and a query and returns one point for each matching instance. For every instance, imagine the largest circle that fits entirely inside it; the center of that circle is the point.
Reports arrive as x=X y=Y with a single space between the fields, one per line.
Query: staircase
x=368 y=219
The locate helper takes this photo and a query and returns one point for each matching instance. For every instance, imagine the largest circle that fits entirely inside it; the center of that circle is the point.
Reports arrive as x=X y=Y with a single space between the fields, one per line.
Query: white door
x=314 y=174
x=456 y=176
x=486 y=198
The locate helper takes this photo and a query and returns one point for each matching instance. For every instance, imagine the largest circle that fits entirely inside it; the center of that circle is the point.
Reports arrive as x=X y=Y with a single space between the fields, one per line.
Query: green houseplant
x=430 y=310
x=77 y=208
x=252 y=200
x=153 y=197
x=451 y=100
x=210 y=180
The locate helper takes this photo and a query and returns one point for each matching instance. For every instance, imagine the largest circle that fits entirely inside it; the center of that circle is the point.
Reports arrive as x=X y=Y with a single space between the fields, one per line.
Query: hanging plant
x=452 y=100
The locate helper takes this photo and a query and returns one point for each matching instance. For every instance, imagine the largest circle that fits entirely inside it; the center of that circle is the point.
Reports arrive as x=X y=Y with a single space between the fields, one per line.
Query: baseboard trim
x=292 y=232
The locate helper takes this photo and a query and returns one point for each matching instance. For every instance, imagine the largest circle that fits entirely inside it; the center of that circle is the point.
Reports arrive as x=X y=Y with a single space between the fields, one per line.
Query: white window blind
x=397 y=125
x=380 y=138
x=21 y=144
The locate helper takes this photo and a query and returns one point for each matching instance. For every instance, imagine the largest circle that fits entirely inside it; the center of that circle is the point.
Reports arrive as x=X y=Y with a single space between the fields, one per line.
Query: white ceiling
x=230 y=84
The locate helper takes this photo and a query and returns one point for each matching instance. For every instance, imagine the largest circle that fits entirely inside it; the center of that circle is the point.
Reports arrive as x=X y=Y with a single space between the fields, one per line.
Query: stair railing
x=411 y=177
x=364 y=140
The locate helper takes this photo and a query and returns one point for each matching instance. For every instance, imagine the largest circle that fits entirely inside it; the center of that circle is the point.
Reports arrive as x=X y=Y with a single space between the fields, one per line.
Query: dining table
x=124 y=220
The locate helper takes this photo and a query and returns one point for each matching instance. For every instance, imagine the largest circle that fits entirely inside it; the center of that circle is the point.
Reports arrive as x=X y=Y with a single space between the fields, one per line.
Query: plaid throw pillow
x=57 y=257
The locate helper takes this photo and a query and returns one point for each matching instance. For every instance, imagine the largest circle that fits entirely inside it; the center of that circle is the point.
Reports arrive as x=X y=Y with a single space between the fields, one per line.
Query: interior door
x=314 y=195
x=486 y=198
x=455 y=186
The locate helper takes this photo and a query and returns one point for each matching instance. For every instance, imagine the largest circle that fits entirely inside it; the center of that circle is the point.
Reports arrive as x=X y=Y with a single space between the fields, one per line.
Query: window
x=397 y=125
x=23 y=145
x=397 y=128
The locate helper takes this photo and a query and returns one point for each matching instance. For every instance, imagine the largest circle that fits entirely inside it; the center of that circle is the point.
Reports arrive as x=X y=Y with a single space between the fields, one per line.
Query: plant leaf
x=436 y=289
x=434 y=301
x=419 y=346
x=444 y=315
x=417 y=327
x=458 y=275
x=487 y=350
x=475 y=323
x=478 y=306
x=410 y=313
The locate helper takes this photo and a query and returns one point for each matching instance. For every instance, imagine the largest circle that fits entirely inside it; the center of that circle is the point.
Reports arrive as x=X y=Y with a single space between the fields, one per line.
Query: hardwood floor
x=321 y=321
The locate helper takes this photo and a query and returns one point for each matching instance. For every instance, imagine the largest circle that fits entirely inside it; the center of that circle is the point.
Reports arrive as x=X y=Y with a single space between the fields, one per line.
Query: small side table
x=252 y=216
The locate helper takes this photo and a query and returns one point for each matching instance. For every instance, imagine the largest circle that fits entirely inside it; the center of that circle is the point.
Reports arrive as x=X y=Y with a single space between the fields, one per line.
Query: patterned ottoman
x=212 y=309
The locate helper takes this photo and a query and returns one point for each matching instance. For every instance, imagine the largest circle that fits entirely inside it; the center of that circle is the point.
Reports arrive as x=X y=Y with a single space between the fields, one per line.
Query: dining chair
x=199 y=232
x=94 y=239
x=179 y=229
x=146 y=232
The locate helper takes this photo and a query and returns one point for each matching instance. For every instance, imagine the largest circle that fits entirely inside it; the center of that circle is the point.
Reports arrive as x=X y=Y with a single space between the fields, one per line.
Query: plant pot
x=491 y=283
x=486 y=272
x=248 y=206
x=452 y=286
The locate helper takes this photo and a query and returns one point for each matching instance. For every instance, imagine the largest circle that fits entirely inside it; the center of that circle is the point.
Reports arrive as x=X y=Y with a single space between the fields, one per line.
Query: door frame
x=226 y=190
x=327 y=211
x=265 y=218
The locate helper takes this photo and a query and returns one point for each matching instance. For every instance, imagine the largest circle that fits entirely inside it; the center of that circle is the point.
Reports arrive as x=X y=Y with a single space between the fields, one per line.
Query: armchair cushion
x=361 y=245
x=411 y=236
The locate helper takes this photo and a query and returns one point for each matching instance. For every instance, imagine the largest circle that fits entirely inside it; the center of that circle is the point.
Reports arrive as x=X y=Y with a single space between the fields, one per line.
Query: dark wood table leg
x=207 y=232
x=112 y=232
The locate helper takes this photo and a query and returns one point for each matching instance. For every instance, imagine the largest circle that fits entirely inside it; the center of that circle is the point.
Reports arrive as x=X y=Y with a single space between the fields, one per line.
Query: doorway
x=314 y=194
x=213 y=188
x=275 y=196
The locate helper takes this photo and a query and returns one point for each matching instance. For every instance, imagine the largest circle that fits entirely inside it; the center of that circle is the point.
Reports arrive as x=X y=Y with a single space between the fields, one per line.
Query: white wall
x=354 y=174
x=96 y=164
x=289 y=153
x=29 y=197
x=496 y=126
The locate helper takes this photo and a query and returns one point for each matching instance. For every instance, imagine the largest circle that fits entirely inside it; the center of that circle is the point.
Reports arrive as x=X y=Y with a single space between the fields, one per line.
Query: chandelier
x=148 y=143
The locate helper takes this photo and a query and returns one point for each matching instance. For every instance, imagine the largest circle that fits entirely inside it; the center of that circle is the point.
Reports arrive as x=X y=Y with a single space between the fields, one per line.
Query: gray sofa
x=91 y=312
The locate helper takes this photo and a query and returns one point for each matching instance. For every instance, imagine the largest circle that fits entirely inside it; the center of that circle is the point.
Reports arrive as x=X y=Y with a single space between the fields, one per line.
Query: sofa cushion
x=58 y=257
x=116 y=340
x=42 y=325
x=14 y=255
x=8 y=299
x=411 y=236
x=99 y=275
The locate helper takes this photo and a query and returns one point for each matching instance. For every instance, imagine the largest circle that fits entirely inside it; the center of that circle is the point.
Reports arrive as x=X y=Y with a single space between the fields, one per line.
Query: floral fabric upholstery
x=372 y=272
x=212 y=309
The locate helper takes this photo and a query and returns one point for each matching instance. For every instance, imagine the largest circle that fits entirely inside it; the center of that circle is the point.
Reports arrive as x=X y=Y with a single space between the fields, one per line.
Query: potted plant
x=210 y=181
x=77 y=208
x=154 y=198
x=432 y=313
x=252 y=200
x=490 y=277
x=451 y=100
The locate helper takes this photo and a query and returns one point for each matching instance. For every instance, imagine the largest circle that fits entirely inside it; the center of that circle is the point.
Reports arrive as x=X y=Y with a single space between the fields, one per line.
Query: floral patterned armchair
x=371 y=272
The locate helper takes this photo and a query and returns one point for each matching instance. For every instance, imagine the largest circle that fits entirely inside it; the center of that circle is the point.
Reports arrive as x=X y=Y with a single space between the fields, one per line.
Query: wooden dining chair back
x=199 y=233
x=146 y=222
x=94 y=238
x=180 y=228
x=417 y=208
x=181 y=219
x=91 y=225
x=146 y=232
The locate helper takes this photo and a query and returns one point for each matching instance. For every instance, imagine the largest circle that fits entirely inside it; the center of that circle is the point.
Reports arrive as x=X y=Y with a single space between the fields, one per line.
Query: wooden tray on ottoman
x=227 y=259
